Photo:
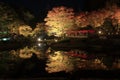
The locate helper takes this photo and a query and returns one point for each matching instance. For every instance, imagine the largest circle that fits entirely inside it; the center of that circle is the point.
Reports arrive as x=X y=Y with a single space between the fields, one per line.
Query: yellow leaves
x=59 y=62
x=25 y=30
x=60 y=18
x=63 y=19
x=26 y=53
x=81 y=20
x=97 y=18
x=117 y=15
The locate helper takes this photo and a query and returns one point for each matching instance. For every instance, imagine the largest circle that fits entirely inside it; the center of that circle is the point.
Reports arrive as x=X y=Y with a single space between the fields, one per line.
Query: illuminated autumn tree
x=59 y=62
x=59 y=20
x=116 y=20
x=96 y=18
x=25 y=30
x=117 y=15
x=81 y=20
x=14 y=26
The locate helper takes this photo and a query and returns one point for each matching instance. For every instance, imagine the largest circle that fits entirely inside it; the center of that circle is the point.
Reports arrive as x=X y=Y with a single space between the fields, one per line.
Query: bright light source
x=100 y=32
x=4 y=39
x=39 y=39
x=56 y=40
x=39 y=44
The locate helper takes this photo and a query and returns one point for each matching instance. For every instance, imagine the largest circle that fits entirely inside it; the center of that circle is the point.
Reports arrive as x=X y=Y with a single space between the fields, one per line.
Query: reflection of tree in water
x=92 y=64
x=8 y=62
x=58 y=61
x=27 y=52
x=116 y=64
x=30 y=66
x=31 y=61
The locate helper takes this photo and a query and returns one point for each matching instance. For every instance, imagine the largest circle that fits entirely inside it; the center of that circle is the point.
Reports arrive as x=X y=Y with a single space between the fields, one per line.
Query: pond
x=41 y=60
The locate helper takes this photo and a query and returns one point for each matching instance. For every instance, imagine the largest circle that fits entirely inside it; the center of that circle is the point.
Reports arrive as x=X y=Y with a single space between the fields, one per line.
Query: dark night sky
x=41 y=7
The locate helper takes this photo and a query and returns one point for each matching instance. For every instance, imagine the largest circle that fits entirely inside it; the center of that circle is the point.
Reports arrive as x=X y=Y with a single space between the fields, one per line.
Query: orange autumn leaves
x=60 y=19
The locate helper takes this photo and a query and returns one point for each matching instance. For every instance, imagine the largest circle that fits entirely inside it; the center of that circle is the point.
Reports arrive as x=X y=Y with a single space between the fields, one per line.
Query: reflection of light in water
x=39 y=44
x=42 y=45
x=100 y=32
x=5 y=39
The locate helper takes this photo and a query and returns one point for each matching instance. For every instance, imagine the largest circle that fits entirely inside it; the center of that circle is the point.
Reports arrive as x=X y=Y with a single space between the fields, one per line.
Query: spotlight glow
x=39 y=44
x=39 y=39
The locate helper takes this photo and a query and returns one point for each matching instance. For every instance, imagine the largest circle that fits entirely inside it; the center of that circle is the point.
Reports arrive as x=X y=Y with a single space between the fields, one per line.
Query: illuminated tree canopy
x=117 y=15
x=25 y=30
x=59 y=19
x=96 y=18
x=81 y=20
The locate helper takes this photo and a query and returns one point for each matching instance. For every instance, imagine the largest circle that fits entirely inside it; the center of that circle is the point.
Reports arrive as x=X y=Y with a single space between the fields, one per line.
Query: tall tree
x=59 y=20
x=96 y=18
x=81 y=20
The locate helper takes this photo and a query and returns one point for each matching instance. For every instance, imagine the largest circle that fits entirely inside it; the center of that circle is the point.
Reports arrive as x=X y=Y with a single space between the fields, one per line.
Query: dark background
x=41 y=7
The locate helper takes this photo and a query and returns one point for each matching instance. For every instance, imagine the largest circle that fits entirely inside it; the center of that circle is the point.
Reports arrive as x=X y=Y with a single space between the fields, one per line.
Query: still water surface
x=41 y=60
